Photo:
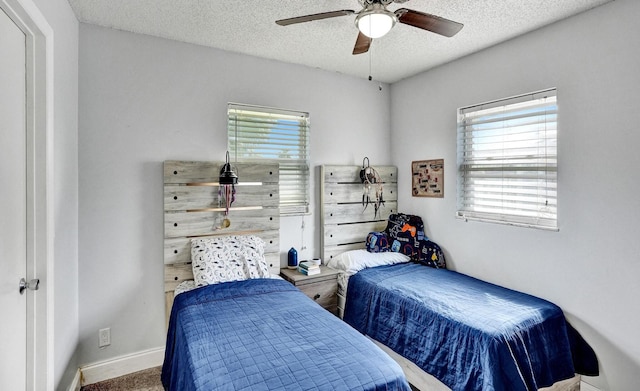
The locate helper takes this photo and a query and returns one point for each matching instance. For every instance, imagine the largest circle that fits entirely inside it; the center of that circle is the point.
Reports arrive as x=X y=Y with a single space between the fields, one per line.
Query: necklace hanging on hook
x=228 y=179
x=371 y=180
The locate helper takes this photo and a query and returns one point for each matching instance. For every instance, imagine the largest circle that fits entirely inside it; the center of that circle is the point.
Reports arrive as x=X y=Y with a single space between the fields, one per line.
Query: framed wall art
x=427 y=178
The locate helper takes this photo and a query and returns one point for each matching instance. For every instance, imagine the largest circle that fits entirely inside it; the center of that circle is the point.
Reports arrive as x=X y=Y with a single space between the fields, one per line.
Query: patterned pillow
x=406 y=235
x=184 y=286
x=253 y=262
x=377 y=242
x=430 y=254
x=227 y=258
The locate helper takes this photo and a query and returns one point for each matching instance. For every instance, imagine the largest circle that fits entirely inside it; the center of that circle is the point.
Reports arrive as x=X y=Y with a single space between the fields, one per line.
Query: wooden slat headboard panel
x=193 y=208
x=345 y=223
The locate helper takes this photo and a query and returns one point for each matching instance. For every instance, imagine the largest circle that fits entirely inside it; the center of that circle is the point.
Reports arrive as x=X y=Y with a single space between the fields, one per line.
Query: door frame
x=39 y=127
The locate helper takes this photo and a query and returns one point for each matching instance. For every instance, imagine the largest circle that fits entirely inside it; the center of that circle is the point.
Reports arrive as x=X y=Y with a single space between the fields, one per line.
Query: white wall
x=144 y=100
x=591 y=266
x=64 y=24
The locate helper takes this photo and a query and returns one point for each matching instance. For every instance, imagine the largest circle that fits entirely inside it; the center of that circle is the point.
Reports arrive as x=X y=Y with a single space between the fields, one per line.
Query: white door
x=13 y=206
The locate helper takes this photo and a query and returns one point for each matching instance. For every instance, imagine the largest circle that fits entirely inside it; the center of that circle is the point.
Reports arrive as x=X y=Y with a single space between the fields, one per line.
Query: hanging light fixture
x=376 y=21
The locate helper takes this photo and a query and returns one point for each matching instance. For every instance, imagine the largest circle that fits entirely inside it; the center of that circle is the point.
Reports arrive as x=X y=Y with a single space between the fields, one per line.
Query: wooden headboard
x=344 y=221
x=193 y=208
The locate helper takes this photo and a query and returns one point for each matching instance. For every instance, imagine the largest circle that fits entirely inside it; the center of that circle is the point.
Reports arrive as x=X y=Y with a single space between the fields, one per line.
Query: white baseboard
x=75 y=383
x=120 y=366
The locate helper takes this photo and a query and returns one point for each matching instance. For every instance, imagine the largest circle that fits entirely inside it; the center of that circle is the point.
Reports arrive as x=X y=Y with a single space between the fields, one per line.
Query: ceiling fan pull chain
x=370 y=78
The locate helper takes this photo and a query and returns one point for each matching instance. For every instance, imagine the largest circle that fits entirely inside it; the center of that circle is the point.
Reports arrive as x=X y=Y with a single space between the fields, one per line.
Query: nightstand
x=323 y=287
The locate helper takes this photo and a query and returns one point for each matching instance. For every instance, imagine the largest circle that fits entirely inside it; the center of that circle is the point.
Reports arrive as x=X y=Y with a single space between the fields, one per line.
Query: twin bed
x=256 y=332
x=244 y=328
x=447 y=330
x=264 y=334
x=467 y=333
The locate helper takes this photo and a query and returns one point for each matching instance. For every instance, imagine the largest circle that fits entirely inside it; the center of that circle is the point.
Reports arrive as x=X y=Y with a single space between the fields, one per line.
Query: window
x=508 y=161
x=261 y=133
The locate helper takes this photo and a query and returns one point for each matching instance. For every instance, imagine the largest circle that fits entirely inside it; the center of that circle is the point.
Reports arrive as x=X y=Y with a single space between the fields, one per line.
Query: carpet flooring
x=147 y=380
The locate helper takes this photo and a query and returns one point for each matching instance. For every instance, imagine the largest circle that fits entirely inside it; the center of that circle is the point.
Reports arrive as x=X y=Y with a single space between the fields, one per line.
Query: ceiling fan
x=374 y=20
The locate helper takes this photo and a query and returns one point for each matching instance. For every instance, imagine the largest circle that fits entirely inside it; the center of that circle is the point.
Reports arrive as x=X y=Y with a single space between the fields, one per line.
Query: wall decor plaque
x=427 y=178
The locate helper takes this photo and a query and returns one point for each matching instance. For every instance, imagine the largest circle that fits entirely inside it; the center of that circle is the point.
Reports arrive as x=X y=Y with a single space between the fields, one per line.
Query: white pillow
x=353 y=261
x=227 y=258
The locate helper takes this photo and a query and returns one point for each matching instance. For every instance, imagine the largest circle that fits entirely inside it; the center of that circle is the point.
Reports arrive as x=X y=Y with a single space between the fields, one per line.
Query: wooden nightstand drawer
x=323 y=292
x=321 y=287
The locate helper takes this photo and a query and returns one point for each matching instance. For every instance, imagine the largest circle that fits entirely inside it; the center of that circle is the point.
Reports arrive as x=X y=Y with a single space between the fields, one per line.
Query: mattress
x=469 y=334
x=264 y=334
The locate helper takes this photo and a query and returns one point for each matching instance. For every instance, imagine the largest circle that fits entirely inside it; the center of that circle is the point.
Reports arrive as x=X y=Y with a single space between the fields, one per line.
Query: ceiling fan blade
x=428 y=22
x=309 y=18
x=362 y=44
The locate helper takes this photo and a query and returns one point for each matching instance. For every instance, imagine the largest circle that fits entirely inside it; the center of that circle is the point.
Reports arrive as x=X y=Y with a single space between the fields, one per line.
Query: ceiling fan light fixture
x=376 y=22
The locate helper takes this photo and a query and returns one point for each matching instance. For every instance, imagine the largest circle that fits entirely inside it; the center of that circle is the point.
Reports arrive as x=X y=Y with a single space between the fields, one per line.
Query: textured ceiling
x=248 y=26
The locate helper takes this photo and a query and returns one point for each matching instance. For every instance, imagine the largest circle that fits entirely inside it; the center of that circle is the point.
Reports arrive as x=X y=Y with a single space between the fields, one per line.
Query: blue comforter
x=470 y=334
x=264 y=334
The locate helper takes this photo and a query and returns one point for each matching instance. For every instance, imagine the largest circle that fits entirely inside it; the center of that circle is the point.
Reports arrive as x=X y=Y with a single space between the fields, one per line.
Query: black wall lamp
x=227 y=176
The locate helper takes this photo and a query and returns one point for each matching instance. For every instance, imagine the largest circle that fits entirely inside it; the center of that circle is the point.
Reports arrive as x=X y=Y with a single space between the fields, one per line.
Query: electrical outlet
x=104 y=337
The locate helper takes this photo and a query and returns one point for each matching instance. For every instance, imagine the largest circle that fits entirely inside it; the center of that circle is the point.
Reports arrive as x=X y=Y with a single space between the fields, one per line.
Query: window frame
x=260 y=121
x=516 y=184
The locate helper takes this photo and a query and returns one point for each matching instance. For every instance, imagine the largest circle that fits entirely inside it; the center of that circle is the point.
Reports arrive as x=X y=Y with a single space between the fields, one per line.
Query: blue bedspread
x=470 y=334
x=264 y=334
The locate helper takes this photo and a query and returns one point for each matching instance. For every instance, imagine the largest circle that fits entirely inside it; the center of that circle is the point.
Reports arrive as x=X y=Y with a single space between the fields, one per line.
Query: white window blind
x=262 y=133
x=508 y=161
